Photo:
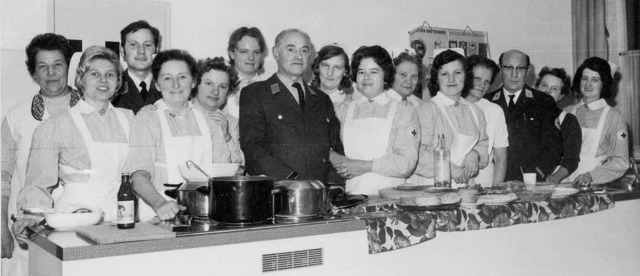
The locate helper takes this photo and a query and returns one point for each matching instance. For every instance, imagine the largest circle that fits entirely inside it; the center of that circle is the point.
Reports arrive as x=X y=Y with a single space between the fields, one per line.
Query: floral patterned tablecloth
x=391 y=226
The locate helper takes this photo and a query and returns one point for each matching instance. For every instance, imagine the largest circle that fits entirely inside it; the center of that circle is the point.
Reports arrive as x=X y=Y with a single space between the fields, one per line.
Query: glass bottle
x=126 y=204
x=441 y=164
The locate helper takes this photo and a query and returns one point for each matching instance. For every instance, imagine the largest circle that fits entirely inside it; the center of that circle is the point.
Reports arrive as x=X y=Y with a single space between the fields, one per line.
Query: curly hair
x=601 y=67
x=558 y=73
x=328 y=52
x=217 y=64
x=241 y=32
x=169 y=55
x=93 y=53
x=47 y=42
x=380 y=56
x=439 y=61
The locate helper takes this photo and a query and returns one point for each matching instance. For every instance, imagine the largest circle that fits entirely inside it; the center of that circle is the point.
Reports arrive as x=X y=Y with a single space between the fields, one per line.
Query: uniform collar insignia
x=528 y=93
x=275 y=88
x=496 y=96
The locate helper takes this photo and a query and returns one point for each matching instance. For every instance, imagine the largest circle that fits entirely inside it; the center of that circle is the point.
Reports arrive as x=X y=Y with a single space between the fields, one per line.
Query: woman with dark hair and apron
x=380 y=135
x=604 y=155
x=169 y=133
x=461 y=122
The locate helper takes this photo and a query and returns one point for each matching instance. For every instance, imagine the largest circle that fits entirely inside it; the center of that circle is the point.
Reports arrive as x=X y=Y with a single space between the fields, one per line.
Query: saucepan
x=192 y=195
x=300 y=198
x=240 y=200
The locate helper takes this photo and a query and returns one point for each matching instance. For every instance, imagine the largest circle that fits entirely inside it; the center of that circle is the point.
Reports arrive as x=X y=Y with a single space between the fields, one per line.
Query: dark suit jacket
x=534 y=141
x=128 y=96
x=277 y=138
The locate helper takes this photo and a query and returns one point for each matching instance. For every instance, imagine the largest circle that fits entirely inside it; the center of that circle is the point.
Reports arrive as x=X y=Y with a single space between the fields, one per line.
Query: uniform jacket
x=534 y=141
x=129 y=97
x=277 y=138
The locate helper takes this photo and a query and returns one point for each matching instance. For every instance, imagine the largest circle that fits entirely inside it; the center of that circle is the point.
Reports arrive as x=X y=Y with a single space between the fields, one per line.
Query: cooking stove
x=204 y=226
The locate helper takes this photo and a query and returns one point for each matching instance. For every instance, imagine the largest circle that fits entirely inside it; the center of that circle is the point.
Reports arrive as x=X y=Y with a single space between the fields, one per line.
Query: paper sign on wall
x=424 y=39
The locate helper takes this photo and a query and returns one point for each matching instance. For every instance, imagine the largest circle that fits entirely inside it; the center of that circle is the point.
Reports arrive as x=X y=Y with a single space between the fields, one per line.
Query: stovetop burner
x=200 y=226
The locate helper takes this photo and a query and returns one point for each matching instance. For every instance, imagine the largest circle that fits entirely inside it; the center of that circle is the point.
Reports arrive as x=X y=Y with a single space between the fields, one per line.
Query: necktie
x=143 y=91
x=300 y=95
x=512 y=104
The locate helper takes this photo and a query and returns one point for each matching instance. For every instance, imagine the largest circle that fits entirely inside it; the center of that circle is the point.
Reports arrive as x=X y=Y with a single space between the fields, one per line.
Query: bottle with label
x=126 y=204
x=441 y=164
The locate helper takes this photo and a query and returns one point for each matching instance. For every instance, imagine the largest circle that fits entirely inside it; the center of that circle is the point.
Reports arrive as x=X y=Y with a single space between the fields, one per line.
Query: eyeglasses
x=509 y=69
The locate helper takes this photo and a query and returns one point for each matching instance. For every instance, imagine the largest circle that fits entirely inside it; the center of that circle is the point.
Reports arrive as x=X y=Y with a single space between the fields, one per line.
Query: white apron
x=367 y=139
x=590 y=141
x=22 y=126
x=462 y=144
x=107 y=161
x=178 y=150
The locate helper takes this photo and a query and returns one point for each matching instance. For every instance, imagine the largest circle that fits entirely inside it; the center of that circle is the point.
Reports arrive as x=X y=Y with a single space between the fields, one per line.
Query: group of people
x=357 y=121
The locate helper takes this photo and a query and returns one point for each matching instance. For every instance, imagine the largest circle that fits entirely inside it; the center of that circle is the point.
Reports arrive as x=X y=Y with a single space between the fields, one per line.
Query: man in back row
x=139 y=41
x=535 y=144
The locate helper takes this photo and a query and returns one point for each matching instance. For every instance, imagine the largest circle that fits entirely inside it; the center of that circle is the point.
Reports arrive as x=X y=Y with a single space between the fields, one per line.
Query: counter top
x=68 y=246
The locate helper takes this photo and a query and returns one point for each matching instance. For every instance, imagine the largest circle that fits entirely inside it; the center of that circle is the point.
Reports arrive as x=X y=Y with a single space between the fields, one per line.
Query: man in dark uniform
x=535 y=144
x=286 y=127
x=139 y=41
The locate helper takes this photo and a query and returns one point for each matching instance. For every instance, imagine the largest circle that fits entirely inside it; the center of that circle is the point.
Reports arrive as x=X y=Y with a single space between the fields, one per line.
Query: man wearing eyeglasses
x=535 y=144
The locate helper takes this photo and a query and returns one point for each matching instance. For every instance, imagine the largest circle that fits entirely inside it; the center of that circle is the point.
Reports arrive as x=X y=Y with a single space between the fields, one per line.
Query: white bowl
x=214 y=170
x=66 y=221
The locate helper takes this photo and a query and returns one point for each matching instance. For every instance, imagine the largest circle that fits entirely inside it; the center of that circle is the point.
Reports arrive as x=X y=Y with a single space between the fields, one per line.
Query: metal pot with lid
x=300 y=198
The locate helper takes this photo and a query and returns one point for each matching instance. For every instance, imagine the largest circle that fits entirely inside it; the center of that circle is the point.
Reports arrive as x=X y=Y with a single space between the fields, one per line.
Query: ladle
x=197 y=167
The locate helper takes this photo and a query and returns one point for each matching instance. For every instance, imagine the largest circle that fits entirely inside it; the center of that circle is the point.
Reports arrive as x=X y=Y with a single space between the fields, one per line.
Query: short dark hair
x=139 y=25
x=440 y=60
x=558 y=73
x=380 y=56
x=328 y=52
x=526 y=57
x=218 y=64
x=600 y=66
x=478 y=60
x=241 y=32
x=169 y=55
x=415 y=59
x=47 y=42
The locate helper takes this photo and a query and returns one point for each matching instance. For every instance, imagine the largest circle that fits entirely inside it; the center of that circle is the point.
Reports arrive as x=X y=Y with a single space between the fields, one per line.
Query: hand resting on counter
x=19 y=229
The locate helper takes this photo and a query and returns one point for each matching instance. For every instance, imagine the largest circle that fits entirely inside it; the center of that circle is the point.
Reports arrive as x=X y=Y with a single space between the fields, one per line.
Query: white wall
x=540 y=28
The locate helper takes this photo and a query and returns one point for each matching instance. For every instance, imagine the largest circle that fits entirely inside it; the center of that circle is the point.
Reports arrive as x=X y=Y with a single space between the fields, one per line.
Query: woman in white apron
x=461 y=122
x=406 y=79
x=84 y=149
x=556 y=83
x=484 y=72
x=380 y=135
x=332 y=76
x=167 y=134
x=214 y=81
x=247 y=50
x=604 y=155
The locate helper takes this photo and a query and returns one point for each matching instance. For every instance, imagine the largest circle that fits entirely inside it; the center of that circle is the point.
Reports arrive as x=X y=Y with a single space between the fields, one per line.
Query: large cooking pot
x=240 y=199
x=300 y=198
x=192 y=195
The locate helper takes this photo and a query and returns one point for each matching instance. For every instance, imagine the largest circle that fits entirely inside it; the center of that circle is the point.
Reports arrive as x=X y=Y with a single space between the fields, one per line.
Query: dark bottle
x=126 y=204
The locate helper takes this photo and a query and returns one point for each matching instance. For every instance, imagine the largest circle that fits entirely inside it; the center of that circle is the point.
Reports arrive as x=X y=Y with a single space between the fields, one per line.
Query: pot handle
x=203 y=190
x=172 y=193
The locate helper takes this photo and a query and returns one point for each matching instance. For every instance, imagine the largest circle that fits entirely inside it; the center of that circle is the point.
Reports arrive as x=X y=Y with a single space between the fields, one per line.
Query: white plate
x=560 y=192
x=497 y=199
